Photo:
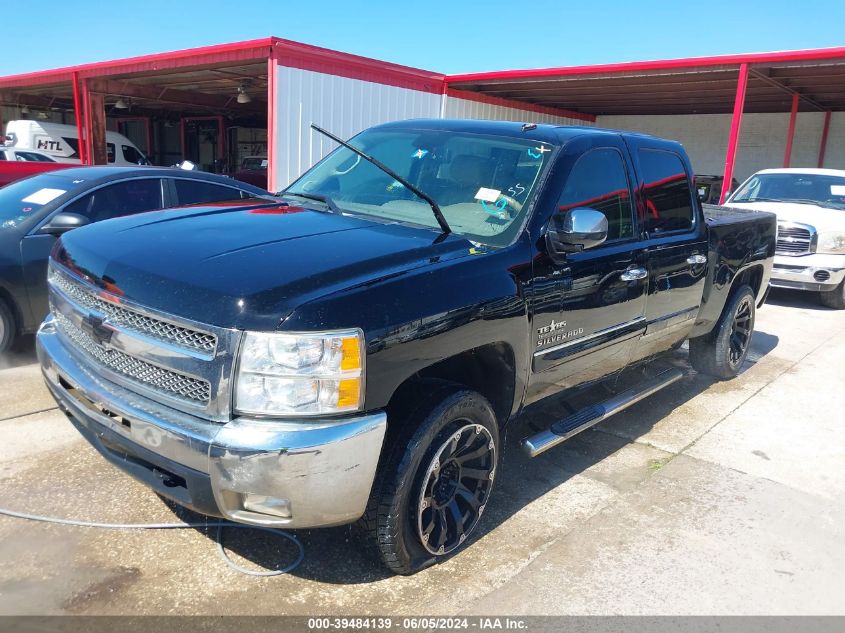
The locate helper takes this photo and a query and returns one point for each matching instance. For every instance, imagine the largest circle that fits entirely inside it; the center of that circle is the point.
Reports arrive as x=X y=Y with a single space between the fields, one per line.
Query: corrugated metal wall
x=457 y=108
x=341 y=105
x=346 y=106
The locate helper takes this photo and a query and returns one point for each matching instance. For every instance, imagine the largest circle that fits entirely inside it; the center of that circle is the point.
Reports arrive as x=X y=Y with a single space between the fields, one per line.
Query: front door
x=589 y=310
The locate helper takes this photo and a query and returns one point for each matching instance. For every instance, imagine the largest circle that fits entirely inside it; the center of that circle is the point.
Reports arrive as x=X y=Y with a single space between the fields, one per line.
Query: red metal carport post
x=736 y=123
x=80 y=118
x=823 y=143
x=790 y=134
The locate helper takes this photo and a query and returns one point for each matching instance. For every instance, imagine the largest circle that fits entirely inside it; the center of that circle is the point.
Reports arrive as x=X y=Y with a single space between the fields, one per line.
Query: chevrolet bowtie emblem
x=96 y=328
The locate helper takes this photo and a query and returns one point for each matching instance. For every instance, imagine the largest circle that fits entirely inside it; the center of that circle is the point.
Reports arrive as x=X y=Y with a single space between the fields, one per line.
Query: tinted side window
x=110 y=152
x=132 y=155
x=122 y=198
x=599 y=180
x=197 y=191
x=666 y=189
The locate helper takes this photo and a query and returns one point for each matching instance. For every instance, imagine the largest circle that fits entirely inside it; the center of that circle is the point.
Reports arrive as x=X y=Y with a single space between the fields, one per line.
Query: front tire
x=8 y=329
x=834 y=298
x=722 y=352
x=435 y=481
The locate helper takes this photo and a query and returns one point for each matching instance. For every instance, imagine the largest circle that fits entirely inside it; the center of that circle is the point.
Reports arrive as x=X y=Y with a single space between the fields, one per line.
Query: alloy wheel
x=741 y=331
x=455 y=489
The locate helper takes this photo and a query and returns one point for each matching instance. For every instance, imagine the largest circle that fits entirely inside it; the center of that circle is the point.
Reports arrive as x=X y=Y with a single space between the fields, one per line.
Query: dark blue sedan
x=35 y=211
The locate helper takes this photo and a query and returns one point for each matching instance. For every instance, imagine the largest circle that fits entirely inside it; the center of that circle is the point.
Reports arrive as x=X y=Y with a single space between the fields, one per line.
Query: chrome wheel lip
x=742 y=326
x=423 y=502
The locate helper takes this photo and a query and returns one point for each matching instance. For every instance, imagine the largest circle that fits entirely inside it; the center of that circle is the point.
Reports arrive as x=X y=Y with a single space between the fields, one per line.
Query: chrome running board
x=589 y=416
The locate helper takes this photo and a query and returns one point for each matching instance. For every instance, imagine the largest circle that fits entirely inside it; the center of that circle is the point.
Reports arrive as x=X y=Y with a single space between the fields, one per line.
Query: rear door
x=673 y=228
x=588 y=311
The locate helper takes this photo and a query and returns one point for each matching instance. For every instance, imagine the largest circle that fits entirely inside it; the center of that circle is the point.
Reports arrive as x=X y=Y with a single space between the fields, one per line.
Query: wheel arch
x=9 y=301
x=489 y=370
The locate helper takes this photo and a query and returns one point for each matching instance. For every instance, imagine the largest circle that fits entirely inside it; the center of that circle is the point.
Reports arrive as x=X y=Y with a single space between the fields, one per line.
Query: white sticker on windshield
x=43 y=196
x=837 y=190
x=488 y=195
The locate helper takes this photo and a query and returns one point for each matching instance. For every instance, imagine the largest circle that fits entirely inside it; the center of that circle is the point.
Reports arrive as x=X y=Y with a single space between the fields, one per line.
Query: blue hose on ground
x=177 y=526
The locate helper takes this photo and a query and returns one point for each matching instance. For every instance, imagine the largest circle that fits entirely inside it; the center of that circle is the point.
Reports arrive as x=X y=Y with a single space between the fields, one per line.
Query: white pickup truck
x=810 y=207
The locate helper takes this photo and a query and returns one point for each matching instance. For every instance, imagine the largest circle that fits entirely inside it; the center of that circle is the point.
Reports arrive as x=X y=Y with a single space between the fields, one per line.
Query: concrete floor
x=708 y=498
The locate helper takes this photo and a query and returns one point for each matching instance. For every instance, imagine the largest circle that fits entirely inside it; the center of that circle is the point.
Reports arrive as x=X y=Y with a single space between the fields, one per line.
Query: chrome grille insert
x=794 y=239
x=132 y=320
x=170 y=382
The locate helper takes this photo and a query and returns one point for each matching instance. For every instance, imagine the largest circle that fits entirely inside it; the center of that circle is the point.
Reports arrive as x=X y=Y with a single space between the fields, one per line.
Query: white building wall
x=341 y=105
x=457 y=108
x=347 y=106
x=762 y=139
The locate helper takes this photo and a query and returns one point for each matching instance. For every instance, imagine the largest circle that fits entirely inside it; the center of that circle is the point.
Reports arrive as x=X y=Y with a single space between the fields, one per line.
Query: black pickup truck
x=355 y=350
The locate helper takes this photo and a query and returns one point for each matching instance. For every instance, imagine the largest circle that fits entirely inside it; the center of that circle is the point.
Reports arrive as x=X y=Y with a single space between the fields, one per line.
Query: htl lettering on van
x=61 y=142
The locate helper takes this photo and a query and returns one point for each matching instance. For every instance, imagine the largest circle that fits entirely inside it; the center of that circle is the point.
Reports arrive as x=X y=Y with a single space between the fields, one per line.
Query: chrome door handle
x=632 y=274
x=696 y=259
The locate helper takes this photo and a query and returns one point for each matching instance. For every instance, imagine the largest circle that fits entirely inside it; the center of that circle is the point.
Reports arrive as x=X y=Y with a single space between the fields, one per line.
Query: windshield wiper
x=438 y=214
x=315 y=196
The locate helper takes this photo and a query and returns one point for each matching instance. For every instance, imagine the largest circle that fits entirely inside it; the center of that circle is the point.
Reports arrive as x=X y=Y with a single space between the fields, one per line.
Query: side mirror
x=64 y=222
x=576 y=230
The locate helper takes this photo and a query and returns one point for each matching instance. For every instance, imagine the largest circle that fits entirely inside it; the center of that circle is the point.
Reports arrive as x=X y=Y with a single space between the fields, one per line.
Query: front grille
x=793 y=240
x=135 y=321
x=164 y=380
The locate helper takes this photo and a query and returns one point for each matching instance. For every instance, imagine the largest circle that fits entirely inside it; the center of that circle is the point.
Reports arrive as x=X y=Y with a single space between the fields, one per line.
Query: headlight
x=286 y=374
x=831 y=243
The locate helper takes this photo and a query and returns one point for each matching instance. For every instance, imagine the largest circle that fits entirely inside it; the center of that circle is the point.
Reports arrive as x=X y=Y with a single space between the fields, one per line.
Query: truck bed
x=737 y=237
x=716 y=214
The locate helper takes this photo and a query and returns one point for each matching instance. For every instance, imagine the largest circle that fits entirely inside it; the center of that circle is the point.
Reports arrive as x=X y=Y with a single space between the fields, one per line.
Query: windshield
x=22 y=200
x=822 y=189
x=483 y=184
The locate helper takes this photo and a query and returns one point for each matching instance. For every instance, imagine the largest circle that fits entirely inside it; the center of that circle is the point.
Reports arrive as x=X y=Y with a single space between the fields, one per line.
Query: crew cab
x=810 y=207
x=355 y=351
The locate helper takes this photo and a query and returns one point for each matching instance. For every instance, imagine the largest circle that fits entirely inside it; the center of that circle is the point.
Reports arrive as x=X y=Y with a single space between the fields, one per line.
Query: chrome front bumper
x=816 y=272
x=263 y=472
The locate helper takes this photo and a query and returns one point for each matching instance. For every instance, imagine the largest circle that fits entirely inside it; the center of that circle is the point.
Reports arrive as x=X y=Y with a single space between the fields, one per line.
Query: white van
x=61 y=142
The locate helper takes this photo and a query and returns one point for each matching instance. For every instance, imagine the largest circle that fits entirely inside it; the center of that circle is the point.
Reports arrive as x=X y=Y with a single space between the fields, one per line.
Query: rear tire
x=834 y=298
x=8 y=328
x=435 y=480
x=722 y=352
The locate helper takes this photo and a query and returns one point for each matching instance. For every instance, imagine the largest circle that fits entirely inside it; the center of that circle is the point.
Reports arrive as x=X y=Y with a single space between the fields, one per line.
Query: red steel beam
x=790 y=133
x=736 y=123
x=220 y=53
x=823 y=143
x=79 y=115
x=663 y=64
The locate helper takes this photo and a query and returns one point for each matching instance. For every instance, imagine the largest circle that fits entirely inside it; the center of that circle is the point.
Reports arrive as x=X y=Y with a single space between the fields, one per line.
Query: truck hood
x=822 y=218
x=245 y=267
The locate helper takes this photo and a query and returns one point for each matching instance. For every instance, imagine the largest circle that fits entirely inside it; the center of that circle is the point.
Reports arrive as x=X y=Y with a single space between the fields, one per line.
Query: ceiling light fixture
x=243 y=97
x=42 y=115
x=120 y=104
x=25 y=110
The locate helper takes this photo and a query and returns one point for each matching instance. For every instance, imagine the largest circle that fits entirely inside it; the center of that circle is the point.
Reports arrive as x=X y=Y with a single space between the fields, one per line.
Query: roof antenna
x=527 y=127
